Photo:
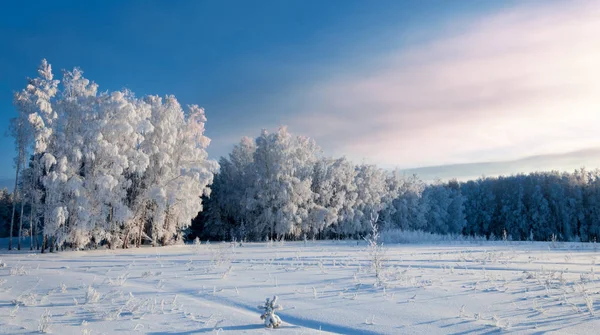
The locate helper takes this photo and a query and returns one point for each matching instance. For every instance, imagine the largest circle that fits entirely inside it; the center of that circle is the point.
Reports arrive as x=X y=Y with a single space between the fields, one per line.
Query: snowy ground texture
x=449 y=288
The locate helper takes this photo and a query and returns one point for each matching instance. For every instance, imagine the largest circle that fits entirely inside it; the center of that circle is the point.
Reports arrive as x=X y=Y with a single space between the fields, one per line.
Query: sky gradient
x=401 y=84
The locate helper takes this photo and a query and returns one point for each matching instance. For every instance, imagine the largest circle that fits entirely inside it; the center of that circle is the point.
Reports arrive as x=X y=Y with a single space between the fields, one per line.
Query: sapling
x=376 y=252
x=270 y=318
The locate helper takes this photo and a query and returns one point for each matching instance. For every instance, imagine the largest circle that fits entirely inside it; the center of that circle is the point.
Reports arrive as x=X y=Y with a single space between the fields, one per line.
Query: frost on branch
x=269 y=316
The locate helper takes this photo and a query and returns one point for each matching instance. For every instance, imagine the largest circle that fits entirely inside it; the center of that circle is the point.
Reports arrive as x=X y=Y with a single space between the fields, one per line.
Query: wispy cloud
x=522 y=82
x=569 y=161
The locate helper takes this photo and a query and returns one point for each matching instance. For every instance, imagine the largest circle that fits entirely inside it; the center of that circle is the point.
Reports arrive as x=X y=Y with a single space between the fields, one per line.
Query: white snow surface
x=324 y=287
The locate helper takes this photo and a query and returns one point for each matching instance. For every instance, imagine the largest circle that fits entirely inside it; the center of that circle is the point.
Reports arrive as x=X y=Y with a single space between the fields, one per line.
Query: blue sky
x=355 y=75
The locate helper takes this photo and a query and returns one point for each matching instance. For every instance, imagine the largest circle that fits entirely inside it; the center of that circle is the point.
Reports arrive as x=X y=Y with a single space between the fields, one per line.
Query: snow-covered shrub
x=44 y=323
x=119 y=281
x=18 y=271
x=113 y=314
x=91 y=295
x=220 y=254
x=25 y=299
x=197 y=245
x=227 y=272
x=270 y=318
x=589 y=303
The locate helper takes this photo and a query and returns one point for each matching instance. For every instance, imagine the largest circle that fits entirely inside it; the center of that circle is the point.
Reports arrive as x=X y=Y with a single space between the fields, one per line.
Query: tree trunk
x=36 y=238
x=44 y=243
x=142 y=224
x=165 y=227
x=111 y=239
x=23 y=164
x=12 y=219
x=139 y=237
x=126 y=240
x=21 y=225
x=31 y=210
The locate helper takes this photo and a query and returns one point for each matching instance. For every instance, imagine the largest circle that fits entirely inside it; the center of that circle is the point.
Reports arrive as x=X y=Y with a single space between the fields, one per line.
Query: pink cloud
x=522 y=82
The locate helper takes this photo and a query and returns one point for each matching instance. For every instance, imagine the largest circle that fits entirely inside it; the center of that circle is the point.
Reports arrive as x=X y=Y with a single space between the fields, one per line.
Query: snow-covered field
x=450 y=288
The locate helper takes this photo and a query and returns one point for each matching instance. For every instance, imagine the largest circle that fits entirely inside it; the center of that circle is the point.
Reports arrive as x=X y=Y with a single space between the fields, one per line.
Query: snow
x=435 y=288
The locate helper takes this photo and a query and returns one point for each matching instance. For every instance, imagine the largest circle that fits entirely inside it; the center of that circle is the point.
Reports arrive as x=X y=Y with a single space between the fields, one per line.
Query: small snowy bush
x=25 y=299
x=44 y=323
x=91 y=295
x=269 y=316
x=119 y=281
x=220 y=254
x=18 y=271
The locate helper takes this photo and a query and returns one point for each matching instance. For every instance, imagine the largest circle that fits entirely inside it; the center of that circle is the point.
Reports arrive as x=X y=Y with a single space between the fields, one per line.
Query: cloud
x=569 y=161
x=521 y=82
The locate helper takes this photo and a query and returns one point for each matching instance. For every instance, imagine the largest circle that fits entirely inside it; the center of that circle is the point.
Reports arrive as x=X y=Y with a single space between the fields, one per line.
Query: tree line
x=108 y=168
x=279 y=186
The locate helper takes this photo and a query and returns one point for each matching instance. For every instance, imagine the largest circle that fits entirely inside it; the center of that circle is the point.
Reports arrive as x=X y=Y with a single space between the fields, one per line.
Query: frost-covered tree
x=371 y=188
x=109 y=167
x=179 y=171
x=281 y=195
x=512 y=212
x=227 y=207
x=335 y=195
x=437 y=201
x=538 y=215
x=33 y=193
x=456 y=211
x=480 y=205
x=443 y=206
x=590 y=229
x=5 y=211
x=35 y=115
x=409 y=211
x=35 y=101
